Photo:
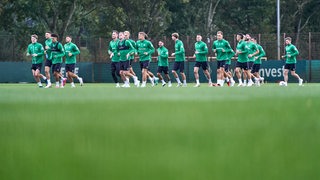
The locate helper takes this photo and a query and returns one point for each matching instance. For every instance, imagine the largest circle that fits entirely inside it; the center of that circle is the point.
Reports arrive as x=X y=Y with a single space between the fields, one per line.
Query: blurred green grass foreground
x=101 y=132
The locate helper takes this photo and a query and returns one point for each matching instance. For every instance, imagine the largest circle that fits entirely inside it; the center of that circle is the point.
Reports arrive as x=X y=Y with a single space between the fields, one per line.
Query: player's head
x=219 y=35
x=160 y=43
x=253 y=39
x=121 y=35
x=247 y=37
x=68 y=39
x=47 y=35
x=34 y=38
x=175 y=36
x=142 y=36
x=199 y=38
x=240 y=36
x=54 y=37
x=288 y=40
x=126 y=34
x=114 y=34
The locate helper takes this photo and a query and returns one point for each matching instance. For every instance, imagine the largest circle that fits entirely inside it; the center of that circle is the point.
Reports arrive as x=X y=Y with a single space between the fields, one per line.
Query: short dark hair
x=54 y=35
x=241 y=35
x=176 y=35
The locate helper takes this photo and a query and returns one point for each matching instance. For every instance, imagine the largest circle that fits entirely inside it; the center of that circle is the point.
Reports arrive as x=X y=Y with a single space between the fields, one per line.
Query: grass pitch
x=101 y=132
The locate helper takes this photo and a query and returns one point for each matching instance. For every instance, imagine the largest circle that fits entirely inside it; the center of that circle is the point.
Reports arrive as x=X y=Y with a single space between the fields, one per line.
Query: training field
x=208 y=133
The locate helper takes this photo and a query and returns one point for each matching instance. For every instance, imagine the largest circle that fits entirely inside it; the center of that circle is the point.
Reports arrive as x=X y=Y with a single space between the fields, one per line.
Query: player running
x=71 y=51
x=36 y=50
x=221 y=48
x=163 y=64
x=115 y=60
x=179 y=53
x=145 y=49
x=201 y=51
x=291 y=61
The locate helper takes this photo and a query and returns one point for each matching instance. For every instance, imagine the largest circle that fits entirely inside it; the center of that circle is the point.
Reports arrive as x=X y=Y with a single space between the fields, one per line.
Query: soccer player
x=221 y=48
x=179 y=60
x=131 y=57
x=48 y=62
x=201 y=51
x=56 y=51
x=257 y=62
x=242 y=62
x=144 y=50
x=115 y=60
x=163 y=64
x=36 y=50
x=125 y=49
x=291 y=54
x=252 y=52
x=71 y=51
x=227 y=72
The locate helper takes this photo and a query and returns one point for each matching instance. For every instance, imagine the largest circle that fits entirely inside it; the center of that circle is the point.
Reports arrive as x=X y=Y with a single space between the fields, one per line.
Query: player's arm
x=164 y=53
x=261 y=52
x=41 y=52
x=180 y=49
x=295 y=51
x=75 y=51
x=227 y=48
x=231 y=54
x=61 y=53
x=151 y=49
x=204 y=50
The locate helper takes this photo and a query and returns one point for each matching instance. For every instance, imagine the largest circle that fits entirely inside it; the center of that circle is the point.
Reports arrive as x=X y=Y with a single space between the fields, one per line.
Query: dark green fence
x=271 y=70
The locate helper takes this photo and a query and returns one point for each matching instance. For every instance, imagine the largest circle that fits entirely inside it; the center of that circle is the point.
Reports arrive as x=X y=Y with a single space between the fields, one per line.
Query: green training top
x=145 y=46
x=230 y=55
x=74 y=50
x=259 y=55
x=179 y=51
x=163 y=56
x=293 y=52
x=48 y=43
x=222 y=48
x=36 y=48
x=124 y=48
x=56 y=51
x=113 y=46
x=243 y=48
x=202 y=49
x=135 y=48
x=252 y=48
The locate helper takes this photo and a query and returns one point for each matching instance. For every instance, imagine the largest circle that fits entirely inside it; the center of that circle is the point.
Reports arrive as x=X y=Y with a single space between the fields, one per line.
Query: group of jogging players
x=122 y=51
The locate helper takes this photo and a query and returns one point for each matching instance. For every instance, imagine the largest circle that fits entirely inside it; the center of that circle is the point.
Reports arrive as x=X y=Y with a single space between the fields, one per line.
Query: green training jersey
x=202 y=50
x=56 y=51
x=36 y=48
x=252 y=48
x=48 y=43
x=113 y=46
x=74 y=50
x=135 y=48
x=291 y=51
x=230 y=55
x=145 y=46
x=259 y=55
x=124 y=48
x=242 y=49
x=179 y=51
x=163 y=56
x=222 y=48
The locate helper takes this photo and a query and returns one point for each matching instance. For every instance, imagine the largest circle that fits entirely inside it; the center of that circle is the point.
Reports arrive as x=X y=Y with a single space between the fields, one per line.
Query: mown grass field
x=101 y=132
